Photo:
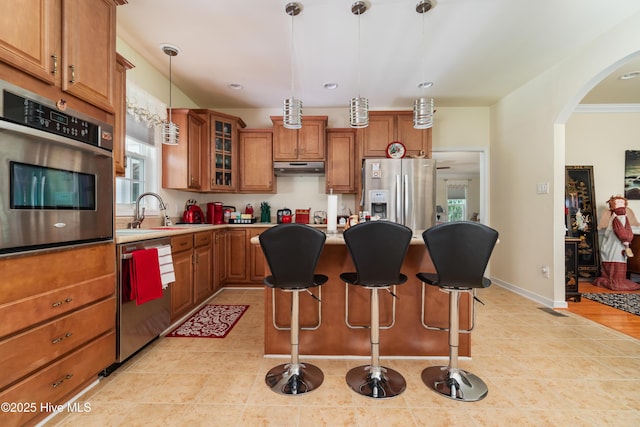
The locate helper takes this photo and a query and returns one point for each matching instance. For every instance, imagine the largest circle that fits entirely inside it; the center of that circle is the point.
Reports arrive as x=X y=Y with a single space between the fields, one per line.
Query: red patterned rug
x=211 y=321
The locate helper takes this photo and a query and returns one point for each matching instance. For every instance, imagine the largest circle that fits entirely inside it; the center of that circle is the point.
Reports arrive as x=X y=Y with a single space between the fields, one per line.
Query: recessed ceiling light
x=631 y=75
x=331 y=86
x=236 y=86
x=424 y=85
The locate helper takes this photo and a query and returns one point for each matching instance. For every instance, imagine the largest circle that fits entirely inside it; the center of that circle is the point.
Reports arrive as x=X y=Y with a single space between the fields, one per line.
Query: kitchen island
x=407 y=337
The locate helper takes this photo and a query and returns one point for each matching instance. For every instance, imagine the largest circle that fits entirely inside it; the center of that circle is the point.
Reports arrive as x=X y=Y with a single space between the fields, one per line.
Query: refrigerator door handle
x=405 y=197
x=398 y=199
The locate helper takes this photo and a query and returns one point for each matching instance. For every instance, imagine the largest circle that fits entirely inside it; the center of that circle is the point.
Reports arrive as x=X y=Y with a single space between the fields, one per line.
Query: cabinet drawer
x=30 y=350
x=30 y=275
x=202 y=239
x=181 y=243
x=59 y=381
x=30 y=311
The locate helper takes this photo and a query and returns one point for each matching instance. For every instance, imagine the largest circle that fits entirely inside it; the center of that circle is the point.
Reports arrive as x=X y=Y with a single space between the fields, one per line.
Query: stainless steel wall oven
x=56 y=174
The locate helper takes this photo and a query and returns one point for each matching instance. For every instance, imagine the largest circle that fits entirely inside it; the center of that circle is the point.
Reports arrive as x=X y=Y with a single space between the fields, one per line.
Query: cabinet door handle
x=73 y=73
x=54 y=57
x=59 y=303
x=57 y=340
x=61 y=380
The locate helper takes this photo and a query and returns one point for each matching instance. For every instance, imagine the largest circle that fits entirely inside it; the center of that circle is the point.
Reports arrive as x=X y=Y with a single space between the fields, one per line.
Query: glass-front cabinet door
x=223 y=149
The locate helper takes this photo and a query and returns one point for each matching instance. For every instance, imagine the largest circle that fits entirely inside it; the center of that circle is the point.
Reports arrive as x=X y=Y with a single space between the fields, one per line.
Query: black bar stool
x=460 y=252
x=378 y=249
x=292 y=252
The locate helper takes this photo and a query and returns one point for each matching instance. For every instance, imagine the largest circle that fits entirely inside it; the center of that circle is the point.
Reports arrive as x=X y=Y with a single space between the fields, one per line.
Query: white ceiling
x=474 y=52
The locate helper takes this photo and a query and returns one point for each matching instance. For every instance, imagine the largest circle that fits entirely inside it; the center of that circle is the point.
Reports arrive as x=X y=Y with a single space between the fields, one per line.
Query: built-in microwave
x=56 y=174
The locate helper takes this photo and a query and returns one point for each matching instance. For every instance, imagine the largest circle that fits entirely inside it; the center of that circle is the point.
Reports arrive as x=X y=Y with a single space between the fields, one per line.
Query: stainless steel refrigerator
x=401 y=190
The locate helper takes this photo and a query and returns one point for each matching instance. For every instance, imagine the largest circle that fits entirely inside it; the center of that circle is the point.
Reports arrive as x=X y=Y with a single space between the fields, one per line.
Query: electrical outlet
x=544 y=269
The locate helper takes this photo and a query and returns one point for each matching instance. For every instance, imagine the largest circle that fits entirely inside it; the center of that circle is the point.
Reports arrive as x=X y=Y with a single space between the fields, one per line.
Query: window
x=144 y=114
x=141 y=164
x=456 y=200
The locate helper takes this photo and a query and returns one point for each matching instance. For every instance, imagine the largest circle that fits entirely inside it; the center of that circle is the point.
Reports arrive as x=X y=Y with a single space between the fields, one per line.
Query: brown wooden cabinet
x=182 y=163
x=66 y=43
x=257 y=262
x=58 y=327
x=220 y=162
x=256 y=164
x=220 y=256
x=203 y=266
x=341 y=161
x=388 y=126
x=193 y=267
x=237 y=260
x=120 y=128
x=182 y=289
x=306 y=143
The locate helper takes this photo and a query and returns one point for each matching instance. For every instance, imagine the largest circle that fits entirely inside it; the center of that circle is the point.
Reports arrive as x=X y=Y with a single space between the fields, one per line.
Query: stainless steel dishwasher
x=137 y=325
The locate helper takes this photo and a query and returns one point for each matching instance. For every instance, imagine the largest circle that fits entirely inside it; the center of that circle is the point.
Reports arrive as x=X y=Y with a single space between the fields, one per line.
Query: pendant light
x=292 y=114
x=170 y=131
x=423 y=107
x=359 y=106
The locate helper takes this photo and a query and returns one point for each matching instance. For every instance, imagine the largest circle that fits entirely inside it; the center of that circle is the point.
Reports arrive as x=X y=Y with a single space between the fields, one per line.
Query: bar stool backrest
x=378 y=249
x=460 y=252
x=292 y=252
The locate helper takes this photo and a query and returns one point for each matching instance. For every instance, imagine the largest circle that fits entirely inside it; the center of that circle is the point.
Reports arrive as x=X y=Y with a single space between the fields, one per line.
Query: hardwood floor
x=619 y=320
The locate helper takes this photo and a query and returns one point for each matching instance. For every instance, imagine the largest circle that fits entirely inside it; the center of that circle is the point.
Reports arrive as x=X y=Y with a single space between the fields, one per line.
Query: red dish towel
x=146 y=284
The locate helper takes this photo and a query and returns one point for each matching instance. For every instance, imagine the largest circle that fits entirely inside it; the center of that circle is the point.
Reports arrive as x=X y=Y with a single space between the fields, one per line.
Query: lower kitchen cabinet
x=182 y=289
x=257 y=261
x=220 y=256
x=237 y=260
x=203 y=266
x=58 y=326
x=192 y=264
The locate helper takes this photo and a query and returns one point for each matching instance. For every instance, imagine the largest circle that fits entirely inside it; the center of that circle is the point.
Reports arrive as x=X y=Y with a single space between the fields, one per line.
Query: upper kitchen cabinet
x=69 y=44
x=182 y=163
x=341 y=161
x=388 y=126
x=256 y=166
x=120 y=128
x=306 y=143
x=222 y=147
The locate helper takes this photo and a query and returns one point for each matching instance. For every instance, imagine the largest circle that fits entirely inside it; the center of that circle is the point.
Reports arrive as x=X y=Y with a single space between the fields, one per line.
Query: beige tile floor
x=541 y=369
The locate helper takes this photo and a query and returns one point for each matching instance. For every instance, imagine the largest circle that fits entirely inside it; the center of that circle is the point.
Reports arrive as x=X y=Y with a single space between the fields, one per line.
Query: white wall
x=600 y=140
x=528 y=147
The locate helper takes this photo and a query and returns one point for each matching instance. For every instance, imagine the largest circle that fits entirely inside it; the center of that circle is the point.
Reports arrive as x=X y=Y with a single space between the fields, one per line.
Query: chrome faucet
x=139 y=216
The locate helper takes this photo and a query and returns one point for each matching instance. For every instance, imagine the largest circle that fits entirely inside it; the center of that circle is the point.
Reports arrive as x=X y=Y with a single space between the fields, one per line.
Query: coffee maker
x=215 y=213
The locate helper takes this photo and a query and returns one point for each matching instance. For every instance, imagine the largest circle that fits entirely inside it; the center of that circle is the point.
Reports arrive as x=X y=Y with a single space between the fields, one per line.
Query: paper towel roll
x=332 y=213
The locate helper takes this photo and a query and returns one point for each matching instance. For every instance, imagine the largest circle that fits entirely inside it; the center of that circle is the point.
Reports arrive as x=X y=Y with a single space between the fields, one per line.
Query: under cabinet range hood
x=298 y=168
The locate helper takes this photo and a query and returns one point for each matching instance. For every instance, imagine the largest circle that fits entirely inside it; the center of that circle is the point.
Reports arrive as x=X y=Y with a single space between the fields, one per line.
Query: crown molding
x=607 y=108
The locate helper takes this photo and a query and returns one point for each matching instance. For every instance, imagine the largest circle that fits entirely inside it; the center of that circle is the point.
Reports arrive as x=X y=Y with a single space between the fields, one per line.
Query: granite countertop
x=135 y=235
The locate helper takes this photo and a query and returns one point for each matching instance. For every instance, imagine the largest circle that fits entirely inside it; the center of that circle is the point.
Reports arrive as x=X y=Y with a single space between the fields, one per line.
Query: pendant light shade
x=423 y=113
x=292 y=113
x=423 y=107
x=170 y=131
x=359 y=112
x=359 y=106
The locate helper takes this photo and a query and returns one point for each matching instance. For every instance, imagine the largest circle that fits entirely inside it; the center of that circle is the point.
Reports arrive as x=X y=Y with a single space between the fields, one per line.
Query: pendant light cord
x=170 y=104
x=359 y=52
x=293 y=54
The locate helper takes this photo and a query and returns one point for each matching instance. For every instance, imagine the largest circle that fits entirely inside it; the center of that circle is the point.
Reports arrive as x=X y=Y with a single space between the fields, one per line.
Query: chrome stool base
x=455 y=383
x=378 y=383
x=289 y=379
